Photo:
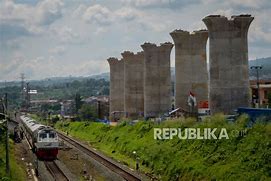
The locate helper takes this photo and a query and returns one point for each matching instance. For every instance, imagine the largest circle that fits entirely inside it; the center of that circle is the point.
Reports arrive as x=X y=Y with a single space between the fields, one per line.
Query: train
x=43 y=139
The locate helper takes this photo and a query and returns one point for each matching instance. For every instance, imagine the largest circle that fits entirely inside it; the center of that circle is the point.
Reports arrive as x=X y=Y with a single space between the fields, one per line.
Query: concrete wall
x=190 y=66
x=157 y=85
x=133 y=84
x=229 y=81
x=116 y=100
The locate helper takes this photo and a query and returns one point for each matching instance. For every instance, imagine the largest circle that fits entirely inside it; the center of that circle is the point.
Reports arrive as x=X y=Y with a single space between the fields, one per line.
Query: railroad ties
x=127 y=175
x=55 y=171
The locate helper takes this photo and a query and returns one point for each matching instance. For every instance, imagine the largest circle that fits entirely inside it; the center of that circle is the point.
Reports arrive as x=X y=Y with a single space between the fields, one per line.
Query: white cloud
x=26 y=19
x=251 y=4
x=10 y=11
x=42 y=67
x=224 y=12
x=248 y=3
x=103 y=17
x=48 y=11
x=90 y=67
x=260 y=35
x=44 y=13
x=65 y=34
x=79 y=10
x=260 y=31
x=59 y=50
x=33 y=35
x=148 y=3
x=128 y=14
x=97 y=14
x=100 y=30
x=6 y=68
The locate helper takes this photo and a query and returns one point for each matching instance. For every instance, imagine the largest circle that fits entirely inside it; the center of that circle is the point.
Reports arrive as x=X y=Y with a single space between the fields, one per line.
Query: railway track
x=55 y=171
x=108 y=163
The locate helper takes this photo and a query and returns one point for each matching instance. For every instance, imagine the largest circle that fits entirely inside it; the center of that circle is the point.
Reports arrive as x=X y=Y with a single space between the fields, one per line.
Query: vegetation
x=17 y=172
x=87 y=112
x=241 y=157
x=50 y=107
x=14 y=93
x=57 y=90
x=86 y=88
x=78 y=102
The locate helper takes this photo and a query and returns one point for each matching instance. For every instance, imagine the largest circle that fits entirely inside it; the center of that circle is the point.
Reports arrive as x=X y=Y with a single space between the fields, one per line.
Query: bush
x=87 y=112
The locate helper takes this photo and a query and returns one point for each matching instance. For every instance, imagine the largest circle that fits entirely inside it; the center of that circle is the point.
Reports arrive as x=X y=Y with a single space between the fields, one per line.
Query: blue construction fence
x=256 y=114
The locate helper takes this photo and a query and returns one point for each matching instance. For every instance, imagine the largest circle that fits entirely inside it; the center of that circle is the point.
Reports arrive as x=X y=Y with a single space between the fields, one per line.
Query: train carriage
x=43 y=139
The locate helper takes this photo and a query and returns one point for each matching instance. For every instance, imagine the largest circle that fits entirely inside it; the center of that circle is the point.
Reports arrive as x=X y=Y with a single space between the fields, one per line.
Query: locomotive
x=43 y=139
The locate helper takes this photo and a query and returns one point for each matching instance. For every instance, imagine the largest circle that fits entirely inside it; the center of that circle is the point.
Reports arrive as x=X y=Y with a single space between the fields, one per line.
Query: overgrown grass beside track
x=16 y=171
x=237 y=158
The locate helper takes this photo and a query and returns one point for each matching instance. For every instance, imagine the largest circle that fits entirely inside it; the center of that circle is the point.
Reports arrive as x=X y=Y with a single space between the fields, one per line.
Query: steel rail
x=101 y=159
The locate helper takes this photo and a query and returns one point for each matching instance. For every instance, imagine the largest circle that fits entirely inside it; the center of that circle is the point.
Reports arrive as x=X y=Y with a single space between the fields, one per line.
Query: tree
x=88 y=112
x=76 y=84
x=78 y=102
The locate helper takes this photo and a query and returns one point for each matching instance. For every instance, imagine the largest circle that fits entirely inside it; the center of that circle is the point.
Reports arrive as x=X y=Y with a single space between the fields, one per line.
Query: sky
x=52 y=38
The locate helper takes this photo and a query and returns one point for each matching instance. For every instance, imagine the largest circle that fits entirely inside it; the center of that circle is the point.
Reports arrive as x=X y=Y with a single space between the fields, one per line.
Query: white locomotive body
x=43 y=139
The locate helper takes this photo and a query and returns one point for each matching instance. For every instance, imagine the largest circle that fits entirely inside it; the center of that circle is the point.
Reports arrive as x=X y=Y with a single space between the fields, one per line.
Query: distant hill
x=105 y=76
x=56 y=80
x=265 y=72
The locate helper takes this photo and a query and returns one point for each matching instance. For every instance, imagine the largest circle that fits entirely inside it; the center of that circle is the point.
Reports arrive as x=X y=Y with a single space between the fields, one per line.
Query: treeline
x=14 y=94
x=85 y=88
x=64 y=91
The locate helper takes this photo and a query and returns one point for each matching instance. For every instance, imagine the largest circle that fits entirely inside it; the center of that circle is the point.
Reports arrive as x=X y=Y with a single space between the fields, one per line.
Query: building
x=67 y=108
x=101 y=105
x=264 y=91
x=44 y=104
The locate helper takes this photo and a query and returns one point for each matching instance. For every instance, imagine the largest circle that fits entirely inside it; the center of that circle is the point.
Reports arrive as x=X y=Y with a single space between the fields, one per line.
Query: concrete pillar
x=133 y=84
x=190 y=66
x=229 y=80
x=116 y=85
x=157 y=83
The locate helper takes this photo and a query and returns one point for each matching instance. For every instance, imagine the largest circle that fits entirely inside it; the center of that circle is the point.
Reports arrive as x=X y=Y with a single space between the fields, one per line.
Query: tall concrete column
x=157 y=83
x=133 y=84
x=229 y=79
x=116 y=85
x=190 y=66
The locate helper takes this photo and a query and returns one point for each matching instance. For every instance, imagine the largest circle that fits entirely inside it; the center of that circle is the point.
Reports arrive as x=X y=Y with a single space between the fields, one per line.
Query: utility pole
x=99 y=109
x=22 y=88
x=27 y=96
x=257 y=68
x=7 y=135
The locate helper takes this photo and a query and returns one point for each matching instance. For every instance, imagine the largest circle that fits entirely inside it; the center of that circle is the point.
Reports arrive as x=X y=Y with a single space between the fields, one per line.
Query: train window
x=43 y=135
x=51 y=135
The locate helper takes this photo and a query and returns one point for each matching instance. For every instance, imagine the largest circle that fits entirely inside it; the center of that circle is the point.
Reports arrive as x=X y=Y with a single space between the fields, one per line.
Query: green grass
x=238 y=158
x=17 y=173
